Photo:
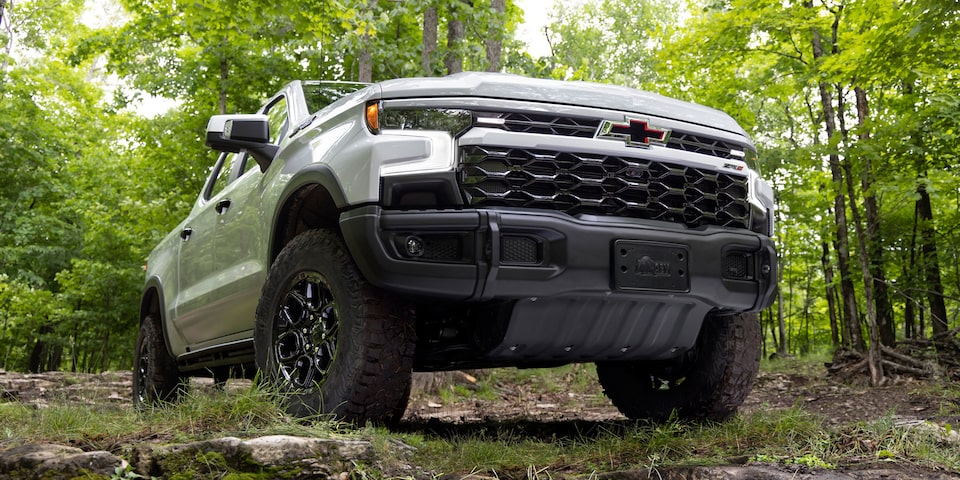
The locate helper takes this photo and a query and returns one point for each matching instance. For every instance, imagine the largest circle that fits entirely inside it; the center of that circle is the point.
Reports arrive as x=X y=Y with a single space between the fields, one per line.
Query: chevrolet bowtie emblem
x=634 y=131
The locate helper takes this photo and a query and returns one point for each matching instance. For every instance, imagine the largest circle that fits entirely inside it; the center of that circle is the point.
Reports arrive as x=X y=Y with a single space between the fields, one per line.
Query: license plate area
x=650 y=266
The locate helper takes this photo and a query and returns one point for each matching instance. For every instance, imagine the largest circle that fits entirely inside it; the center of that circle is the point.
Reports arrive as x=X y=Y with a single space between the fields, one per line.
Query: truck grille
x=604 y=185
x=587 y=128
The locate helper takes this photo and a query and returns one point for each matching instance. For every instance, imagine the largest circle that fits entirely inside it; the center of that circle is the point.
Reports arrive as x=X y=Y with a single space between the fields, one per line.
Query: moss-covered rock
x=276 y=456
x=48 y=461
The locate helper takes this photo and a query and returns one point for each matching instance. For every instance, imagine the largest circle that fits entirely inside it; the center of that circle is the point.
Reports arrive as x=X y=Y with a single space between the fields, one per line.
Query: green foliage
x=610 y=41
x=89 y=186
x=755 y=60
x=791 y=437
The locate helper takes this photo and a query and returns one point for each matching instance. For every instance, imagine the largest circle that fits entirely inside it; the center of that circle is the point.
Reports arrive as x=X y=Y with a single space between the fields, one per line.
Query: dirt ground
x=531 y=411
x=838 y=403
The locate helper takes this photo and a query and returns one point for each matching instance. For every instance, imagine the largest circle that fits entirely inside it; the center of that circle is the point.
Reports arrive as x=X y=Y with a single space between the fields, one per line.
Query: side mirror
x=236 y=133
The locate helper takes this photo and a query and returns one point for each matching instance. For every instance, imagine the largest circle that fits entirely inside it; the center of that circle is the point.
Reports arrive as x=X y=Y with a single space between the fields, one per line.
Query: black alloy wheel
x=329 y=341
x=305 y=330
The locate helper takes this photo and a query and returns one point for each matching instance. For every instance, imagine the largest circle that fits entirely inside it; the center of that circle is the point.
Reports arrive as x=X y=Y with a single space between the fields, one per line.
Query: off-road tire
x=156 y=378
x=711 y=385
x=367 y=376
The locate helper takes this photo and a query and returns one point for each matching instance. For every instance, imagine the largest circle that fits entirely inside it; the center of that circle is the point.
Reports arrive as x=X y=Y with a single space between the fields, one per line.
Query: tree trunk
x=365 y=59
x=781 y=318
x=930 y=262
x=873 y=354
x=494 y=42
x=808 y=298
x=430 y=22
x=829 y=119
x=848 y=293
x=909 y=315
x=909 y=323
x=76 y=343
x=9 y=45
x=454 y=59
x=105 y=365
x=884 y=310
x=765 y=316
x=41 y=351
x=781 y=325
x=365 y=65
x=773 y=332
x=831 y=295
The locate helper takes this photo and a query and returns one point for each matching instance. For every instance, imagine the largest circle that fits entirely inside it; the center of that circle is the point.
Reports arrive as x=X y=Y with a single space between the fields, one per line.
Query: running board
x=233 y=353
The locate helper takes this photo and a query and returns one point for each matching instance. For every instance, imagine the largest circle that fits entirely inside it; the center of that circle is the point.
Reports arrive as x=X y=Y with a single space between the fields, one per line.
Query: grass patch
x=201 y=415
x=576 y=378
x=807 y=365
x=507 y=449
x=790 y=437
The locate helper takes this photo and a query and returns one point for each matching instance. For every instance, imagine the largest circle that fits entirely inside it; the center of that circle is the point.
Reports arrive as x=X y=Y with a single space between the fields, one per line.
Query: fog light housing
x=413 y=246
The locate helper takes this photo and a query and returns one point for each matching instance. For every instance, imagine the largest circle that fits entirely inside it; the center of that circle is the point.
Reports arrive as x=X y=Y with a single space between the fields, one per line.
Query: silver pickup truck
x=350 y=234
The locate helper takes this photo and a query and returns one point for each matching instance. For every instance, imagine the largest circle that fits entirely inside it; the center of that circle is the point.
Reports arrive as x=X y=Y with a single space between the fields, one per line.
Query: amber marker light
x=373 y=117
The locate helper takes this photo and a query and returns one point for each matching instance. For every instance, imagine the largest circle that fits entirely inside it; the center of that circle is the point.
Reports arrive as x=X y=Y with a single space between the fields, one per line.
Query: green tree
x=611 y=41
x=841 y=97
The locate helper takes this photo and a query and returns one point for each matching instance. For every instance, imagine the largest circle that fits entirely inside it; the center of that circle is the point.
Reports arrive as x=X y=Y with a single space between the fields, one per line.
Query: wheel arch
x=311 y=199
x=151 y=304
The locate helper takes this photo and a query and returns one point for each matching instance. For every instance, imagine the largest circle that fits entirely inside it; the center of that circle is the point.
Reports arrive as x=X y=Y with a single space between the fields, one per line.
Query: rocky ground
x=544 y=413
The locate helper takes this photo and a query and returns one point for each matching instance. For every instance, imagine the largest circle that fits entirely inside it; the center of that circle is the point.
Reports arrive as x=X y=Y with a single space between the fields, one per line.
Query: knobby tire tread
x=164 y=381
x=715 y=386
x=372 y=383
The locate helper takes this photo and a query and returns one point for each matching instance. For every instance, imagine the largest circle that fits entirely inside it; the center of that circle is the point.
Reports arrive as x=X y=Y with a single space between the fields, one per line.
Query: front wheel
x=330 y=340
x=156 y=378
x=715 y=380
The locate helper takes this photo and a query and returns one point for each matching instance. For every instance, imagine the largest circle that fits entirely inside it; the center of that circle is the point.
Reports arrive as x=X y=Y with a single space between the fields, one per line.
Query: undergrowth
x=200 y=415
x=789 y=437
x=504 y=449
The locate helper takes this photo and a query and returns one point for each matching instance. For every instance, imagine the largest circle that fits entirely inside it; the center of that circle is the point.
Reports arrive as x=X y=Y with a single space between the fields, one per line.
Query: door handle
x=222 y=206
x=185 y=233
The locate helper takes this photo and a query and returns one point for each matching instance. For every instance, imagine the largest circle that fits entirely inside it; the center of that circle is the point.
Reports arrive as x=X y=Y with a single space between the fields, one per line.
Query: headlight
x=750 y=158
x=447 y=120
x=747 y=156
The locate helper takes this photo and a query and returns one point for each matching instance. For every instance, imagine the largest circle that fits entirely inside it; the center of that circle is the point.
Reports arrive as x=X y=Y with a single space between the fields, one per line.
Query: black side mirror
x=236 y=133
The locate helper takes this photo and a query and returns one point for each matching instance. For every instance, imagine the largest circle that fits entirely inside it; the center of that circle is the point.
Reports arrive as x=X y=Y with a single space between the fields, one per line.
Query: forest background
x=854 y=106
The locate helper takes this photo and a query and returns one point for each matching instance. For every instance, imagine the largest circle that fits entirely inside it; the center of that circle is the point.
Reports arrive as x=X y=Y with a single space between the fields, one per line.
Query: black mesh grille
x=587 y=128
x=734 y=266
x=603 y=185
x=441 y=248
x=516 y=249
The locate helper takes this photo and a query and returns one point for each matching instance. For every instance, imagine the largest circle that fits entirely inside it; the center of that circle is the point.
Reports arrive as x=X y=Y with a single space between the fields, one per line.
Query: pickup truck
x=349 y=235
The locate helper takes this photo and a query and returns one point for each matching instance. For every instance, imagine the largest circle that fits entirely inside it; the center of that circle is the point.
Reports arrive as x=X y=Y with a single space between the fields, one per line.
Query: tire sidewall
x=162 y=381
x=142 y=381
x=300 y=257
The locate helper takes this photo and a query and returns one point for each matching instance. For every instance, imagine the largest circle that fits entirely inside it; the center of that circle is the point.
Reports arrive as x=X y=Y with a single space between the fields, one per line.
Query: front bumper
x=487 y=254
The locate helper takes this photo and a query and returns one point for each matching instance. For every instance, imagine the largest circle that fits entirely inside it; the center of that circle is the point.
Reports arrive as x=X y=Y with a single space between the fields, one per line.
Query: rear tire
x=712 y=384
x=156 y=378
x=330 y=340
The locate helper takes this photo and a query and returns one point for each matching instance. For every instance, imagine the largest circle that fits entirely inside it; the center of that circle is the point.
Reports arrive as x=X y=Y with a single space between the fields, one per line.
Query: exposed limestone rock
x=55 y=461
x=278 y=450
x=284 y=456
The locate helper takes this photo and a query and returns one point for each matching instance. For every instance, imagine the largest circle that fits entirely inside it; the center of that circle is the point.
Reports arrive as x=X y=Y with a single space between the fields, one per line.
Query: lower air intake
x=519 y=250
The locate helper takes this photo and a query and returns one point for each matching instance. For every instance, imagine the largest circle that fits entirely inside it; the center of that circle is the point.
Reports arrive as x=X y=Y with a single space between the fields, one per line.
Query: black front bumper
x=486 y=254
